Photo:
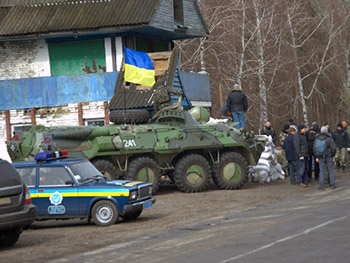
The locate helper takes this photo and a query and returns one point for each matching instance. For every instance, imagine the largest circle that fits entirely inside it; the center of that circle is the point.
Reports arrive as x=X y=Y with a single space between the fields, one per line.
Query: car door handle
x=41 y=190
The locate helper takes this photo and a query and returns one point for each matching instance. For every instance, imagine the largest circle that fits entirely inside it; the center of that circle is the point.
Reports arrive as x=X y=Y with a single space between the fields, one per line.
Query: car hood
x=126 y=183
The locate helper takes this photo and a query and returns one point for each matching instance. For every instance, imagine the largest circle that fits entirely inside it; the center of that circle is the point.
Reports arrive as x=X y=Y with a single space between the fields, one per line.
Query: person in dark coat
x=269 y=131
x=341 y=139
x=310 y=136
x=327 y=159
x=288 y=147
x=237 y=105
x=301 y=148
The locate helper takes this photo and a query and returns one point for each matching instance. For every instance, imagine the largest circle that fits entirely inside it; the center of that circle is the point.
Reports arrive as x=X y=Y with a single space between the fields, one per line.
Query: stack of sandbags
x=268 y=168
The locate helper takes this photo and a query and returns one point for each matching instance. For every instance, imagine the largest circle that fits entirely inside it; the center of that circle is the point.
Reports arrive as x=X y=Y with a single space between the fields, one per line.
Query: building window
x=17 y=129
x=179 y=11
x=81 y=57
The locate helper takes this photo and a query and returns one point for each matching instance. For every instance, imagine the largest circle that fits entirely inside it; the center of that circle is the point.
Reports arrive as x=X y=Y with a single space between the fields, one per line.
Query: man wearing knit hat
x=237 y=105
x=327 y=157
x=288 y=147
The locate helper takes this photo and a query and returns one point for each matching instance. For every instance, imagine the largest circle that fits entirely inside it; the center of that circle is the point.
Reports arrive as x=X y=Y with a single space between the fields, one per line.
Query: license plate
x=5 y=201
x=147 y=204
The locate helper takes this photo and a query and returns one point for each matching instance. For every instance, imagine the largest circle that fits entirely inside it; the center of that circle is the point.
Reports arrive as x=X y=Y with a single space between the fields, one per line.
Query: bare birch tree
x=266 y=51
x=344 y=45
x=289 y=56
x=215 y=54
x=304 y=29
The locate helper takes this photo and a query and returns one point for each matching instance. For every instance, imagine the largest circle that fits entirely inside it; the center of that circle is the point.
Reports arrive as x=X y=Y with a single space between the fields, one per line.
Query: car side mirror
x=69 y=182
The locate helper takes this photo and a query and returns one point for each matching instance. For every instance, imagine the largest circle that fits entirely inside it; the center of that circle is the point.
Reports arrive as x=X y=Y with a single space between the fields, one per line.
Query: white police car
x=64 y=188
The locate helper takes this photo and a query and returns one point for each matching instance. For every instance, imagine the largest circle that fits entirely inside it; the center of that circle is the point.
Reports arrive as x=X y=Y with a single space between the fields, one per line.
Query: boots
x=343 y=168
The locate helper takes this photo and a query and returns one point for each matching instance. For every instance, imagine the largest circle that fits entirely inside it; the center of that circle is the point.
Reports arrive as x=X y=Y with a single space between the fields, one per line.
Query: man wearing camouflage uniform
x=341 y=139
x=162 y=97
x=345 y=125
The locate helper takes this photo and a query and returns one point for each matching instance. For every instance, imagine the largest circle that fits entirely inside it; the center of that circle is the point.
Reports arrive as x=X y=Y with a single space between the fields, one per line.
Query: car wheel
x=132 y=216
x=144 y=169
x=231 y=172
x=107 y=168
x=9 y=237
x=192 y=173
x=104 y=213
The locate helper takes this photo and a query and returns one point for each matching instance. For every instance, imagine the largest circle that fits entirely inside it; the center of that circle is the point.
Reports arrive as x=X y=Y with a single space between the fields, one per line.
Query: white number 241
x=129 y=143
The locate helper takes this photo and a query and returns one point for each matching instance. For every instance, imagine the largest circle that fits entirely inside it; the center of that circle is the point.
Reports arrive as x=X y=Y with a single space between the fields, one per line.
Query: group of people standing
x=315 y=149
x=301 y=145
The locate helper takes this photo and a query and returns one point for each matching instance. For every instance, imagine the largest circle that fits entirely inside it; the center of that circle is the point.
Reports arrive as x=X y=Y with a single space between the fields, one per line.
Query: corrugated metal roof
x=131 y=99
x=58 y=16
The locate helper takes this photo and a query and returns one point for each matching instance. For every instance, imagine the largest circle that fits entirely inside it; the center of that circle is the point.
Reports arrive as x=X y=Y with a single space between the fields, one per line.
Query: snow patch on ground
x=3 y=152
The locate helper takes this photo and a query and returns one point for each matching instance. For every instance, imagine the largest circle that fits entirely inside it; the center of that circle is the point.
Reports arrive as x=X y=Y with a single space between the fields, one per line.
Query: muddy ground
x=48 y=240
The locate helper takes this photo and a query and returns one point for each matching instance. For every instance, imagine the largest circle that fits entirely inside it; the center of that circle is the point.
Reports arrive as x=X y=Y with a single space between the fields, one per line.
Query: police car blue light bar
x=46 y=156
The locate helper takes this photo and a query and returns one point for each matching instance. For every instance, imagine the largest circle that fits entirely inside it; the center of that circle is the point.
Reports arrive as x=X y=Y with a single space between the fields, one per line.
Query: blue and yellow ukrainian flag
x=139 y=68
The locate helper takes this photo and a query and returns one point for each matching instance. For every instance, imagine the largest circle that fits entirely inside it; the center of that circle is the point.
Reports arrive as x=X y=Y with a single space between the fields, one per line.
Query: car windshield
x=85 y=171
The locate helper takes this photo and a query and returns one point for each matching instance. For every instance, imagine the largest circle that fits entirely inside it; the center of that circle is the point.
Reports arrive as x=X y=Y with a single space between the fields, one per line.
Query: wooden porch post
x=105 y=104
x=80 y=114
x=32 y=116
x=8 y=125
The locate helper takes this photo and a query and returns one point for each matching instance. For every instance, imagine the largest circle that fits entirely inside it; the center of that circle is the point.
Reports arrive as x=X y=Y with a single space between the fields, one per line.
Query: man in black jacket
x=288 y=147
x=237 y=105
x=310 y=136
x=269 y=131
x=302 y=152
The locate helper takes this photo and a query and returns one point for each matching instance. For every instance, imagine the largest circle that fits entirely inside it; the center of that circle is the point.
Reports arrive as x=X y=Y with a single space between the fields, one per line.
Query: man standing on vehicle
x=237 y=105
x=326 y=157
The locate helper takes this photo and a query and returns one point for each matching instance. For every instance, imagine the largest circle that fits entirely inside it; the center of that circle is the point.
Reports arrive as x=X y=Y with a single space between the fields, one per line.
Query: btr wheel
x=192 y=173
x=104 y=213
x=231 y=172
x=144 y=169
x=107 y=168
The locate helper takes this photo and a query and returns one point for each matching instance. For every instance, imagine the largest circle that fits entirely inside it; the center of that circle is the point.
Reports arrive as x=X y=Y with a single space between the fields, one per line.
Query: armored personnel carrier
x=175 y=145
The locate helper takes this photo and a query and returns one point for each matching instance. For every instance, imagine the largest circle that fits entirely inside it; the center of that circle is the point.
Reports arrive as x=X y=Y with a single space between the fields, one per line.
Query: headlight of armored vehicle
x=133 y=195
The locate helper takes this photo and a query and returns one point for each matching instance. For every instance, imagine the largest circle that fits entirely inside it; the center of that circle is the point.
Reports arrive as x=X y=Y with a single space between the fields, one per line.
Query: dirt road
x=49 y=240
